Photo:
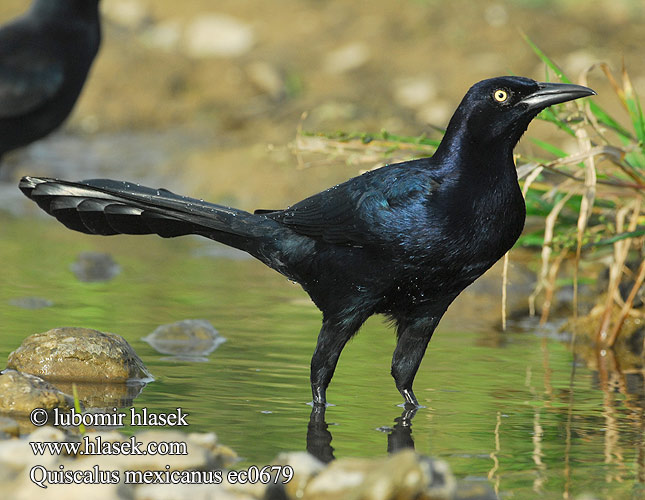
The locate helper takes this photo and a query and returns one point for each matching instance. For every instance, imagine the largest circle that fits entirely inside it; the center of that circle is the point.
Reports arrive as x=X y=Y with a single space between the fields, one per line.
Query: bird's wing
x=356 y=212
x=28 y=79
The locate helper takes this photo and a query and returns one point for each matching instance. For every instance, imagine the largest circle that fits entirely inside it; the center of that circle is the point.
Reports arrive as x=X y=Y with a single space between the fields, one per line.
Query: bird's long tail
x=107 y=207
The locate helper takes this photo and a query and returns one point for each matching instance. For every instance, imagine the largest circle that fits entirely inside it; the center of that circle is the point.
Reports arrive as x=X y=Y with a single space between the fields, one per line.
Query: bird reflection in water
x=319 y=436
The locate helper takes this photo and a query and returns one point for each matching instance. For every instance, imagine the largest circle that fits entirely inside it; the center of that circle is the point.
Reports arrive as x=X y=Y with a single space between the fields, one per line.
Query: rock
x=21 y=393
x=192 y=491
x=80 y=355
x=267 y=79
x=403 y=475
x=305 y=467
x=165 y=36
x=496 y=15
x=188 y=338
x=474 y=490
x=9 y=427
x=347 y=58
x=186 y=452
x=27 y=490
x=95 y=266
x=203 y=453
x=218 y=35
x=17 y=455
x=414 y=92
x=31 y=302
x=435 y=113
x=131 y=14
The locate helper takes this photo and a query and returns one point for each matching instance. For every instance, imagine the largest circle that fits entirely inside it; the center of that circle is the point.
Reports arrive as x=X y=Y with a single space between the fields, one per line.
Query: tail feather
x=107 y=207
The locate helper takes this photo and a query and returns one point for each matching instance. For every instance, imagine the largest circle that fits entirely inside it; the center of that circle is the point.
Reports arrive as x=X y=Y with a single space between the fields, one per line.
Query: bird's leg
x=414 y=335
x=332 y=338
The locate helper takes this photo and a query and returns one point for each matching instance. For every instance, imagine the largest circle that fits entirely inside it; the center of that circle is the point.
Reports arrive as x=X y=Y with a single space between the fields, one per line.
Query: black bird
x=45 y=56
x=403 y=240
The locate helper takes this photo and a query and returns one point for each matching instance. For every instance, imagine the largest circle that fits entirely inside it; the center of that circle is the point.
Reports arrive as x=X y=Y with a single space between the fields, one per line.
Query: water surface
x=501 y=408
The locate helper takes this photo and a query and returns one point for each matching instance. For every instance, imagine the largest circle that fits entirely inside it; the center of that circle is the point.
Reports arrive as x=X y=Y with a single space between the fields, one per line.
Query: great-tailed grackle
x=403 y=240
x=45 y=56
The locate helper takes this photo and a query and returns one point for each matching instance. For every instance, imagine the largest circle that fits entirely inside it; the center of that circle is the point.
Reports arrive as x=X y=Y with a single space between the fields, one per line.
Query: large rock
x=21 y=393
x=204 y=453
x=78 y=354
x=402 y=475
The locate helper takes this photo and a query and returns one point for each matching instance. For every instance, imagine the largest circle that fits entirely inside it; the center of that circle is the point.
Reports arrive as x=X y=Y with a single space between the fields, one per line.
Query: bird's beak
x=555 y=93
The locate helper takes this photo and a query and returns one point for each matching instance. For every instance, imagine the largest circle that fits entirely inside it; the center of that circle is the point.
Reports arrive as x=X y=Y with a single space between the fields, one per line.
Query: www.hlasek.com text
x=95 y=445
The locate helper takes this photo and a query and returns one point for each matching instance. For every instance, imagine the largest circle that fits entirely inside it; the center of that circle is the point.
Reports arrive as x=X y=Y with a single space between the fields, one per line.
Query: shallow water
x=500 y=408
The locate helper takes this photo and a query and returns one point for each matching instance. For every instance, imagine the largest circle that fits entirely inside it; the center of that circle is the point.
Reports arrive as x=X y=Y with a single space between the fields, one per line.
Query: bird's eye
x=500 y=95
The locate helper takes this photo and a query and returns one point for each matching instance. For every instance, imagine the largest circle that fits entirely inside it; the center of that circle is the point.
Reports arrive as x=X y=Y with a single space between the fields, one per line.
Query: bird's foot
x=410 y=402
x=320 y=398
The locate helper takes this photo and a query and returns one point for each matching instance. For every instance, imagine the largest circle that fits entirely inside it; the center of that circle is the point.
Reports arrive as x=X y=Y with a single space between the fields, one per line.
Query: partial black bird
x=45 y=56
x=402 y=240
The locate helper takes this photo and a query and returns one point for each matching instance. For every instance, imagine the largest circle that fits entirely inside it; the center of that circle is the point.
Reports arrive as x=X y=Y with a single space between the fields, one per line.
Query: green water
x=500 y=408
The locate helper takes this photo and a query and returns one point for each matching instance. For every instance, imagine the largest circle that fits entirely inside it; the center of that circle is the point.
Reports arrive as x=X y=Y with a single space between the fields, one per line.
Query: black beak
x=555 y=93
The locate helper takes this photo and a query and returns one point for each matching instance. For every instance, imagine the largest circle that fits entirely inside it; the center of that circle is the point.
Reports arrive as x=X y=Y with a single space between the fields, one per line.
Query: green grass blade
x=622 y=236
x=77 y=407
x=548 y=147
x=549 y=115
x=636 y=115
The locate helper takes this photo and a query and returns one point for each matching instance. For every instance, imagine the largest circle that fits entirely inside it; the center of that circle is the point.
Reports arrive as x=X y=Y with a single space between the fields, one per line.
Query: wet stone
x=95 y=266
x=80 y=355
x=401 y=475
x=21 y=393
x=305 y=467
x=8 y=427
x=31 y=302
x=190 y=338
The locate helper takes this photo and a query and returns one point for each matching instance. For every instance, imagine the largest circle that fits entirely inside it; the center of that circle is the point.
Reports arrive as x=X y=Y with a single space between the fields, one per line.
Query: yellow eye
x=500 y=95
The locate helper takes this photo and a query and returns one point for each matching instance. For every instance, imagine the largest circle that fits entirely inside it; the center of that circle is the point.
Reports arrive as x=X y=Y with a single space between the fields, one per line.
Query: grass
x=590 y=201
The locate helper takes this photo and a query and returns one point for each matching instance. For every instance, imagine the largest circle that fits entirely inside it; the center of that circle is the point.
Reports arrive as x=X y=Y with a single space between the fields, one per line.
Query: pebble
x=218 y=35
x=187 y=338
x=31 y=302
x=266 y=78
x=164 y=36
x=95 y=266
x=131 y=14
x=414 y=92
x=347 y=58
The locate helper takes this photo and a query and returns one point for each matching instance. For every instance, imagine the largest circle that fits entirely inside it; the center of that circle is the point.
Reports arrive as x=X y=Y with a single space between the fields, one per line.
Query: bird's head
x=500 y=109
